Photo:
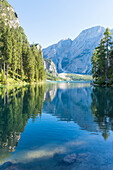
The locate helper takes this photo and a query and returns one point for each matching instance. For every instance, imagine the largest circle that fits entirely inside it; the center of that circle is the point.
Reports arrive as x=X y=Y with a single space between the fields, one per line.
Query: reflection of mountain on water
x=17 y=105
x=51 y=89
x=50 y=93
x=73 y=104
x=91 y=109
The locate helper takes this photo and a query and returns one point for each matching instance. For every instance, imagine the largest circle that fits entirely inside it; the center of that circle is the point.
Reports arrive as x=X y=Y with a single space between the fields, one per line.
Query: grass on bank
x=75 y=77
x=49 y=76
x=68 y=77
x=10 y=81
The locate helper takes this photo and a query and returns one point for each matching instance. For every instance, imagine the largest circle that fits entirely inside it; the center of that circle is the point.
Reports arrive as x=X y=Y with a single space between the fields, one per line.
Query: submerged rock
x=70 y=158
x=6 y=165
x=10 y=166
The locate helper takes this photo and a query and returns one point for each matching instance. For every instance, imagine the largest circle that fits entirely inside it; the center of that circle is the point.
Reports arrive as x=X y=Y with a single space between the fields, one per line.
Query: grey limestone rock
x=75 y=56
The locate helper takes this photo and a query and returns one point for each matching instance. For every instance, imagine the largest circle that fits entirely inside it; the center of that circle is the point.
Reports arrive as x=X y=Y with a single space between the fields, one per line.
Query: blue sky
x=48 y=21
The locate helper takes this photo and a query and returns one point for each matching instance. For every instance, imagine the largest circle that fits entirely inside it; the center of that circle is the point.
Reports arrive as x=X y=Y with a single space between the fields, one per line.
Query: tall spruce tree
x=107 y=43
x=94 y=61
x=30 y=65
x=102 y=59
x=35 y=54
x=24 y=57
x=2 y=43
x=8 y=48
x=14 y=52
x=41 y=68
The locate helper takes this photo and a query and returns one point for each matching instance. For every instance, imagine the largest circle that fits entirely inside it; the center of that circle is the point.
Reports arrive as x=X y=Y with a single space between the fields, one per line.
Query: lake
x=43 y=126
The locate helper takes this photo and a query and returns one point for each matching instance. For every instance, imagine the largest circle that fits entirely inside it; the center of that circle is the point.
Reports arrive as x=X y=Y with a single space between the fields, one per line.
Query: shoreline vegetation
x=19 y=61
x=102 y=61
x=68 y=77
x=20 y=84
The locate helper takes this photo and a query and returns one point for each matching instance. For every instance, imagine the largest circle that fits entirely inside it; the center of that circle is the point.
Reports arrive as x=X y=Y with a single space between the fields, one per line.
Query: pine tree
x=30 y=65
x=14 y=52
x=20 y=61
x=41 y=73
x=8 y=48
x=41 y=66
x=24 y=57
x=2 y=43
x=19 y=57
x=102 y=59
x=95 y=64
x=107 y=43
x=36 y=61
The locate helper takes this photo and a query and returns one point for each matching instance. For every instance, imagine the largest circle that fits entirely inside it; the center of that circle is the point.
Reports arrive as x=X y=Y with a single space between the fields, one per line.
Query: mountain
x=9 y=15
x=75 y=56
x=50 y=67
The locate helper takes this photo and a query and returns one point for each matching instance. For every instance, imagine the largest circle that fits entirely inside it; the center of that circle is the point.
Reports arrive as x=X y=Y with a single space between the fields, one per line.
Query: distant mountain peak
x=75 y=56
x=93 y=28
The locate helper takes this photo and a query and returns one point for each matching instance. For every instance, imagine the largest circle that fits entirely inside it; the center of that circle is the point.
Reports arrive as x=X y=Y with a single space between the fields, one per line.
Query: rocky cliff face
x=50 y=67
x=9 y=15
x=75 y=56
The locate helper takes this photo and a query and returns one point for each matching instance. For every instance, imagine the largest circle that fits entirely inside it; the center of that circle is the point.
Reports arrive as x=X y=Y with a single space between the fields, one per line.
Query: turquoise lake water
x=41 y=125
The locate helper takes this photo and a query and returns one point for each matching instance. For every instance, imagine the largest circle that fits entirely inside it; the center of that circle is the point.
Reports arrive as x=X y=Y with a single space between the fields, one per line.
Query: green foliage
x=49 y=76
x=78 y=77
x=30 y=66
x=3 y=78
x=68 y=77
x=14 y=52
x=17 y=59
x=39 y=73
x=102 y=60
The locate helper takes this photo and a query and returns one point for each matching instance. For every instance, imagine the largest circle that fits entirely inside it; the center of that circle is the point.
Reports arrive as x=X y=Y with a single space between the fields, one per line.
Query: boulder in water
x=70 y=158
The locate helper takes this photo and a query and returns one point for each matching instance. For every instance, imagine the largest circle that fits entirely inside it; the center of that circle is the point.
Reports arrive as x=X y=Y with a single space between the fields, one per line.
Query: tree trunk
x=13 y=92
x=108 y=58
x=4 y=99
x=4 y=68
x=1 y=67
x=7 y=96
x=108 y=62
x=7 y=70
x=13 y=74
x=106 y=70
x=17 y=73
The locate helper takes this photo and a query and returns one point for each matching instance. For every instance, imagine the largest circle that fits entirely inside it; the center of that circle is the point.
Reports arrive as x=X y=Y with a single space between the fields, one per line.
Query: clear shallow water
x=40 y=125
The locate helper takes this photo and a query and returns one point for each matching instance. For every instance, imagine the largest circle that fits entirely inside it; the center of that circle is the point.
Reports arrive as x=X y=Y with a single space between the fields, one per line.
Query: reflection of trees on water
x=91 y=109
x=17 y=105
x=76 y=104
x=102 y=109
